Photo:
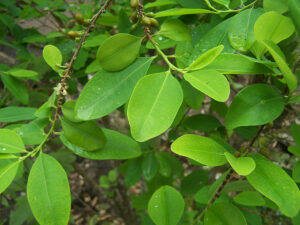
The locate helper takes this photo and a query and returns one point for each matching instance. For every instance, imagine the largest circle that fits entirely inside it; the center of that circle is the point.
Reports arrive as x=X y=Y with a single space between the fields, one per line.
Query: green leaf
x=87 y=135
x=239 y=64
x=16 y=87
x=160 y=3
x=48 y=192
x=241 y=29
x=192 y=96
x=206 y=58
x=166 y=206
x=296 y=172
x=32 y=133
x=201 y=149
x=271 y=26
x=118 y=146
x=8 y=171
x=181 y=11
x=193 y=182
x=280 y=6
x=295 y=130
x=274 y=183
x=107 y=91
x=53 y=57
x=15 y=113
x=176 y=30
x=10 y=142
x=149 y=110
x=224 y=213
x=202 y=123
x=222 y=2
x=294 y=10
x=16 y=72
x=211 y=83
x=150 y=166
x=256 y=104
x=119 y=51
x=242 y=165
x=277 y=54
x=68 y=111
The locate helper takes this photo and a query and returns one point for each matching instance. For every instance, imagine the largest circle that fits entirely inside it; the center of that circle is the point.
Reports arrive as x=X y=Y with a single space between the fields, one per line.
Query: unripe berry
x=134 y=3
x=146 y=21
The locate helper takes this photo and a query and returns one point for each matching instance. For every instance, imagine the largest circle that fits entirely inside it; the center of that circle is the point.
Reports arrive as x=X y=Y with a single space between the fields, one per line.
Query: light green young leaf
x=8 y=171
x=294 y=10
x=249 y=198
x=10 y=142
x=210 y=82
x=241 y=29
x=107 y=91
x=274 y=183
x=256 y=104
x=240 y=64
x=48 y=192
x=242 y=165
x=224 y=213
x=277 y=54
x=153 y=105
x=280 y=6
x=201 y=149
x=176 y=30
x=53 y=57
x=118 y=146
x=166 y=206
x=181 y=11
x=16 y=87
x=87 y=135
x=206 y=58
x=118 y=51
x=160 y=3
x=16 y=72
x=16 y=113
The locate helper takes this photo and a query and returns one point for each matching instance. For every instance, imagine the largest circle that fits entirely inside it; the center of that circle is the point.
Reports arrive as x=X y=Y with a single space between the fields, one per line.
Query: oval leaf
x=48 y=192
x=201 y=149
x=53 y=57
x=224 y=213
x=274 y=183
x=256 y=104
x=118 y=51
x=176 y=30
x=118 y=146
x=249 y=198
x=87 y=135
x=10 y=142
x=153 y=105
x=15 y=114
x=107 y=91
x=242 y=165
x=166 y=206
x=8 y=171
x=210 y=82
x=16 y=72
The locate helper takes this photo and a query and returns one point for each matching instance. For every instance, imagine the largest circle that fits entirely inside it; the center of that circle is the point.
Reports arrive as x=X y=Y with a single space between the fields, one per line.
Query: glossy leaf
x=239 y=64
x=16 y=87
x=256 y=104
x=274 y=183
x=149 y=112
x=242 y=165
x=294 y=10
x=224 y=213
x=249 y=198
x=166 y=206
x=53 y=57
x=118 y=146
x=15 y=113
x=206 y=58
x=277 y=54
x=201 y=149
x=8 y=171
x=107 y=91
x=211 y=83
x=48 y=192
x=176 y=30
x=86 y=135
x=241 y=29
x=10 y=142
x=119 y=51
x=181 y=11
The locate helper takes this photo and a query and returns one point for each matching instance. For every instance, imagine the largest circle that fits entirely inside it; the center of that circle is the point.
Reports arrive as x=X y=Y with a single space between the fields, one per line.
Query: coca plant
x=207 y=87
